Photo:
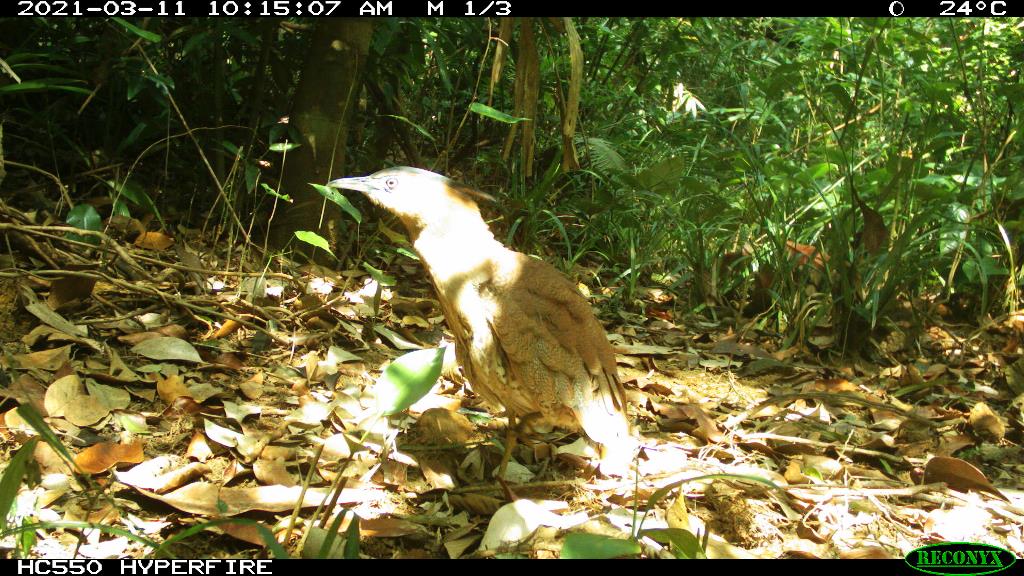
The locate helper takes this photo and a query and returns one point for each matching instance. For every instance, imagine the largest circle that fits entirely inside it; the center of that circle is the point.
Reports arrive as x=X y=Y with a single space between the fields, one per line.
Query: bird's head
x=422 y=199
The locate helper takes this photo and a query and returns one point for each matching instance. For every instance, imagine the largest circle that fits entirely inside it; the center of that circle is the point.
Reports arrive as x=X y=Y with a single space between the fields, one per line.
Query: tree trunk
x=324 y=100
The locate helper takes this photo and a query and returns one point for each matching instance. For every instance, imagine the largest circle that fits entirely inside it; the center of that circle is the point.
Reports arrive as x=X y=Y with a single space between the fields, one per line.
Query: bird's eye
x=391 y=182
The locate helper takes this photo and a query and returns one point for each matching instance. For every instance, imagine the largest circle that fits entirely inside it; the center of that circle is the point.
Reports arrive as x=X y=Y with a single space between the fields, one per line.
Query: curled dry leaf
x=986 y=424
x=226 y=329
x=182 y=405
x=100 y=457
x=198 y=448
x=211 y=499
x=516 y=521
x=440 y=426
x=959 y=475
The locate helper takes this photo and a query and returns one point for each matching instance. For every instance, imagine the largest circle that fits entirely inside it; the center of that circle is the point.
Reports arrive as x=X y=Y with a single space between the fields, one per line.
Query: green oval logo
x=960 y=558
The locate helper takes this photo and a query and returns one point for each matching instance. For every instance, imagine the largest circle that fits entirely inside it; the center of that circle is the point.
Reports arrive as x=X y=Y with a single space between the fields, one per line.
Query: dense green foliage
x=822 y=176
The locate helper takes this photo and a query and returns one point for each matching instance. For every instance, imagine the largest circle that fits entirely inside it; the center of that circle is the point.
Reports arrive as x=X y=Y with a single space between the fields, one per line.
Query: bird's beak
x=362 y=184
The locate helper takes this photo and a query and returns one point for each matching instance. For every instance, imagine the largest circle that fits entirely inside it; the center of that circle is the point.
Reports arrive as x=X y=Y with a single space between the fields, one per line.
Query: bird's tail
x=604 y=419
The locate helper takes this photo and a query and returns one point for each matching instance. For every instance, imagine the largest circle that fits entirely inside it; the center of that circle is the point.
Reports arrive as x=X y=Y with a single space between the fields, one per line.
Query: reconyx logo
x=960 y=558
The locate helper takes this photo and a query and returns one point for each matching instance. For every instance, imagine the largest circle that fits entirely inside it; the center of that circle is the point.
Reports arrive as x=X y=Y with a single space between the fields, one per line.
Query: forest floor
x=186 y=389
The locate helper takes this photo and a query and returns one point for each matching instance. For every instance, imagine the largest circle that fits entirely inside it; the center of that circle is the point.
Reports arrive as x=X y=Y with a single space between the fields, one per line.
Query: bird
x=525 y=338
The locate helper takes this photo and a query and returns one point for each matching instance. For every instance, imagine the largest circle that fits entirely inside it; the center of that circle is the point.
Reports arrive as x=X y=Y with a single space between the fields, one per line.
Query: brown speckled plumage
x=525 y=337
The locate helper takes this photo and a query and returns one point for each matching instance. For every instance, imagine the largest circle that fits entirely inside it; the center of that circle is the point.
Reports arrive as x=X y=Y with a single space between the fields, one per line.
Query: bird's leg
x=511 y=437
x=524 y=431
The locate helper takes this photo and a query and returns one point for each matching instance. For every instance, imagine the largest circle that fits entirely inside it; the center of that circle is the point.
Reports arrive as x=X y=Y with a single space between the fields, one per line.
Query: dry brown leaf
x=100 y=457
x=478 y=504
x=179 y=477
x=199 y=448
x=27 y=390
x=959 y=475
x=173 y=331
x=950 y=444
x=171 y=388
x=866 y=553
x=229 y=360
x=182 y=405
x=875 y=234
x=49 y=360
x=986 y=424
x=253 y=387
x=389 y=528
x=67 y=397
x=336 y=447
x=272 y=471
x=439 y=471
x=138 y=337
x=226 y=329
x=245 y=532
x=50 y=462
x=731 y=347
x=440 y=426
x=154 y=241
x=64 y=290
x=207 y=498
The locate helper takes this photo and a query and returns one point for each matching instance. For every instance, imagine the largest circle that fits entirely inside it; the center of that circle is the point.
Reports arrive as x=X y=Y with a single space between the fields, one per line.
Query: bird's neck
x=460 y=248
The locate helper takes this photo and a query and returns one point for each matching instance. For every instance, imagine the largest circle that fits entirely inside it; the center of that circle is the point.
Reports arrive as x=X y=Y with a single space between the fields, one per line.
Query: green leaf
x=274 y=193
x=29 y=414
x=408 y=253
x=684 y=543
x=120 y=208
x=420 y=129
x=283 y=146
x=352 y=539
x=134 y=193
x=379 y=275
x=86 y=217
x=488 y=112
x=144 y=34
x=407 y=379
x=338 y=198
x=596 y=546
x=167 y=348
x=11 y=480
x=314 y=239
x=40 y=86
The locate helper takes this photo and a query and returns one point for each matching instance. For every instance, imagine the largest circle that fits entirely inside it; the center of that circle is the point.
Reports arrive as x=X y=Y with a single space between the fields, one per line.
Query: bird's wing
x=554 y=347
